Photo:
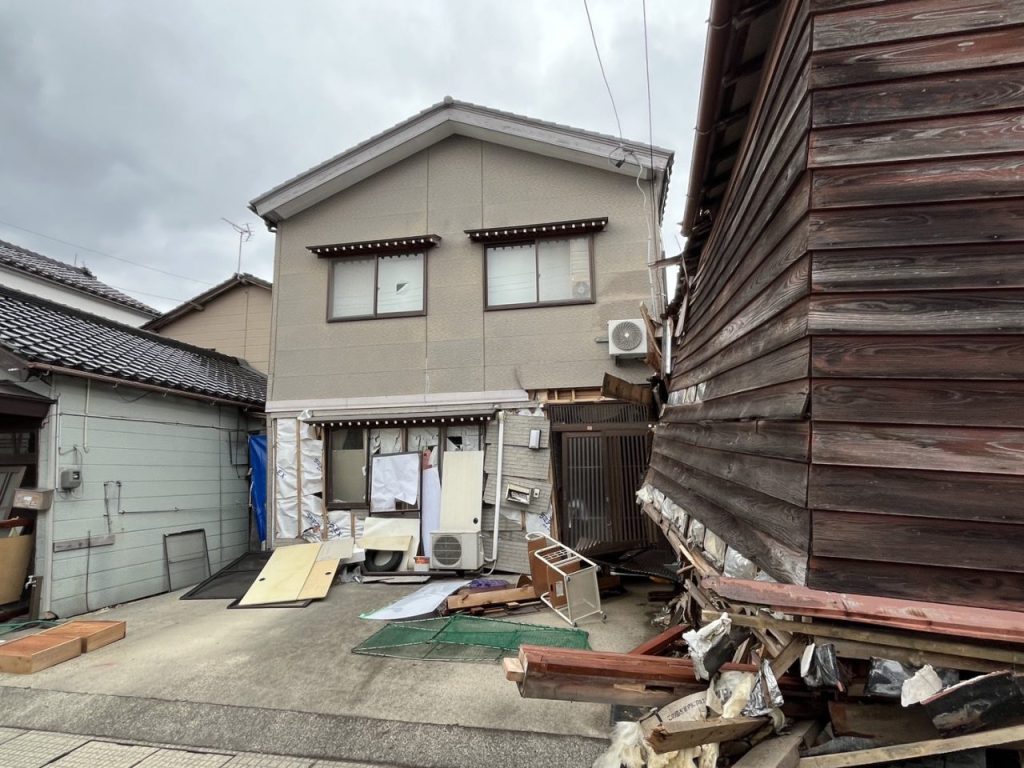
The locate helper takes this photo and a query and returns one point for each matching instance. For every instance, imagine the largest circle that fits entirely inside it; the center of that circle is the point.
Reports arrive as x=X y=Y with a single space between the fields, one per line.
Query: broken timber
x=684 y=734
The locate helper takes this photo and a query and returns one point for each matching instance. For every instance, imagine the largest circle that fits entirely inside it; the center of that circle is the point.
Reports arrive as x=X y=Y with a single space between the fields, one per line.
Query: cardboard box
x=15 y=554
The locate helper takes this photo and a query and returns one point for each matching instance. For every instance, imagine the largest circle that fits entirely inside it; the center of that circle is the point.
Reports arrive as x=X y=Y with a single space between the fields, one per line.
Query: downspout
x=497 y=489
x=44 y=607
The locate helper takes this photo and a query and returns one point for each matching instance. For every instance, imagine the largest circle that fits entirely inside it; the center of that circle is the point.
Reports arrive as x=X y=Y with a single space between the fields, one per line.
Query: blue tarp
x=258 y=482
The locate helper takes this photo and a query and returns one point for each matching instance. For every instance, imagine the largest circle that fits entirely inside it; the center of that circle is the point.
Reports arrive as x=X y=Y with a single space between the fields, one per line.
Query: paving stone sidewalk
x=36 y=749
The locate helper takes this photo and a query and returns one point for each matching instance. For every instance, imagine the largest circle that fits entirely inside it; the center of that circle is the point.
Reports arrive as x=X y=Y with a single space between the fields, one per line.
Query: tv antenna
x=244 y=235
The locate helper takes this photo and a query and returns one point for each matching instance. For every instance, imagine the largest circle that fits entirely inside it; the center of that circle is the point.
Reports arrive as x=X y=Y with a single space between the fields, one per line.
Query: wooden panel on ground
x=674 y=734
x=35 y=652
x=462 y=490
x=880 y=721
x=284 y=576
x=493 y=597
x=916 y=749
x=92 y=634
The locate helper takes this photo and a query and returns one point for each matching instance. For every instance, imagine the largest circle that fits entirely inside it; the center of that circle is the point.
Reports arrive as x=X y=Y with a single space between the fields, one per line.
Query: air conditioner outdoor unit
x=456 y=550
x=627 y=338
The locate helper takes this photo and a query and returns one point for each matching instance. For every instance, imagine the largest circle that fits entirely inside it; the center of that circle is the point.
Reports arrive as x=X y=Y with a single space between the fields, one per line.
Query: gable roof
x=451 y=117
x=48 y=336
x=198 y=302
x=79 y=278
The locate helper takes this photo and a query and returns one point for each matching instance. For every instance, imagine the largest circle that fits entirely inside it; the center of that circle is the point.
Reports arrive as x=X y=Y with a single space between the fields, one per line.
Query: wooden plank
x=982 y=589
x=952 y=495
x=920 y=540
x=35 y=652
x=674 y=735
x=782 y=365
x=513 y=669
x=978 y=623
x=492 y=597
x=916 y=749
x=778 y=439
x=956 y=449
x=782 y=751
x=785 y=522
x=91 y=634
x=956 y=267
x=462 y=490
x=959 y=135
x=318 y=582
x=385 y=543
x=620 y=389
x=599 y=691
x=881 y=722
x=920 y=357
x=912 y=58
x=942 y=403
x=855 y=649
x=660 y=643
x=782 y=401
x=785 y=659
x=886 y=642
x=284 y=575
x=923 y=181
x=911 y=19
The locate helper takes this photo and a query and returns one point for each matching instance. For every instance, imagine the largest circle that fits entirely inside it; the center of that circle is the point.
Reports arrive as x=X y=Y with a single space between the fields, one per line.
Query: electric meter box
x=70 y=479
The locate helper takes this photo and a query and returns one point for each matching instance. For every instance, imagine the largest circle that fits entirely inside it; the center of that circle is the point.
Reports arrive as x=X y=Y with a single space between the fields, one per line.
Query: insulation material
x=924 y=684
x=298 y=473
x=765 y=696
x=394 y=478
x=737 y=566
x=714 y=547
x=430 y=515
x=704 y=640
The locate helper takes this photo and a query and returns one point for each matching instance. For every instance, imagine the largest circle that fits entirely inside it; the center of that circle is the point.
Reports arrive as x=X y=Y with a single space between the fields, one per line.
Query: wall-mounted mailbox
x=33 y=498
x=535 y=439
x=518 y=494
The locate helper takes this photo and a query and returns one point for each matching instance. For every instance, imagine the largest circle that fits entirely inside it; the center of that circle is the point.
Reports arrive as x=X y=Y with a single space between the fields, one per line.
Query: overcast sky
x=132 y=127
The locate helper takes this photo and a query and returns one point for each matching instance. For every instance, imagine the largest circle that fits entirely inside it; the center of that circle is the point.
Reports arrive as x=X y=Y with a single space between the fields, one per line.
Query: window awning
x=18 y=401
x=376 y=420
x=532 y=231
x=390 y=245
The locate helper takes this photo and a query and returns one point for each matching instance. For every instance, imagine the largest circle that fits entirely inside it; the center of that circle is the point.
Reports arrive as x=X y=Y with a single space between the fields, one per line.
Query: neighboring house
x=463 y=262
x=847 y=405
x=141 y=436
x=73 y=286
x=233 y=317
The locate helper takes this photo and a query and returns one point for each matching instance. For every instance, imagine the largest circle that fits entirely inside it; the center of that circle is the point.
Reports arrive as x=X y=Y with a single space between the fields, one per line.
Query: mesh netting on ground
x=465 y=638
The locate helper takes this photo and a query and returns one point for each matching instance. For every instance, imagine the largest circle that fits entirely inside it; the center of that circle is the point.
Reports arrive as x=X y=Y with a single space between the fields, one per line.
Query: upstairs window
x=539 y=264
x=377 y=278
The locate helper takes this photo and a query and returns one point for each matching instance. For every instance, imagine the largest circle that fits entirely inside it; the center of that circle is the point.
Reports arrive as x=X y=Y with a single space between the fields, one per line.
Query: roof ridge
x=239 y=278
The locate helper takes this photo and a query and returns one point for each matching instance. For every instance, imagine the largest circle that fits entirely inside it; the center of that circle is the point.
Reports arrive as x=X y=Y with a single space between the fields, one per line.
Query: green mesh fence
x=464 y=638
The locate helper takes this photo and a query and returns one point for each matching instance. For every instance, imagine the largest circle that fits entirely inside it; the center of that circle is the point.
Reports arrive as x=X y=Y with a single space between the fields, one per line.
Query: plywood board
x=396 y=526
x=35 y=652
x=386 y=543
x=336 y=549
x=15 y=552
x=318 y=582
x=91 y=634
x=284 y=576
x=462 y=490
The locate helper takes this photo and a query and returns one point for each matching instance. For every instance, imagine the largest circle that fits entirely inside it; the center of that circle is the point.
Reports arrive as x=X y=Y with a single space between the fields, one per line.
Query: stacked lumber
x=862 y=680
x=32 y=653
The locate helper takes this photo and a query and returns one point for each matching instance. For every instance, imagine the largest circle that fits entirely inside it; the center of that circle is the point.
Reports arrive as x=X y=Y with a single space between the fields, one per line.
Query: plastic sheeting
x=258 y=482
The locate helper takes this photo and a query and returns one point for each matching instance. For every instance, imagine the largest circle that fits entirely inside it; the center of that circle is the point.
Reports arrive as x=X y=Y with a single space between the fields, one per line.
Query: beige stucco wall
x=236 y=323
x=457 y=184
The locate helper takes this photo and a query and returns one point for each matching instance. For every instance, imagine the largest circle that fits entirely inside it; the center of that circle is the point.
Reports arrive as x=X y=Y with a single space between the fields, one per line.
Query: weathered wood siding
x=733 y=446
x=850 y=388
x=916 y=312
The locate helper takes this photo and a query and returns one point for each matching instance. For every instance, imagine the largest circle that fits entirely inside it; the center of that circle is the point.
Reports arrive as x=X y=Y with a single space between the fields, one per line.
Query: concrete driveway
x=284 y=681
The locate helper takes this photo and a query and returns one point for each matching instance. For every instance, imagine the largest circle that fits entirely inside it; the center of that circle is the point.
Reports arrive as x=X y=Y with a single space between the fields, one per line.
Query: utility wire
x=647 y=70
x=601 y=65
x=101 y=253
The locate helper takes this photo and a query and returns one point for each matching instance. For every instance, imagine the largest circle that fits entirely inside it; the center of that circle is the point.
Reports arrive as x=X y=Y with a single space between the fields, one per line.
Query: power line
x=647 y=70
x=109 y=256
x=601 y=65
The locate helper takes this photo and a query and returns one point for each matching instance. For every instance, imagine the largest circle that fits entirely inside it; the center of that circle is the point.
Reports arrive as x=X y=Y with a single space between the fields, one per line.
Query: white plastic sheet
x=422 y=602
x=394 y=477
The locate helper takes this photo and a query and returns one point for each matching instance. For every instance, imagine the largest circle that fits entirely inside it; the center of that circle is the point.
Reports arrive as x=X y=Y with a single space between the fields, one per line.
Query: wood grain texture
x=674 y=735
x=783 y=401
x=284 y=575
x=980 y=589
x=937 y=224
x=917 y=540
x=952 y=495
x=930 y=181
x=966 y=312
x=957 y=267
x=954 y=449
x=788 y=523
x=36 y=652
x=921 y=357
x=781 y=439
x=911 y=58
x=786 y=364
x=953 y=403
x=911 y=19
x=92 y=634
x=958 y=135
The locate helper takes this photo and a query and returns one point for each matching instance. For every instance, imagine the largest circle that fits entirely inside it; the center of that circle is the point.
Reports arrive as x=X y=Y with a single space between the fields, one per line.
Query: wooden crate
x=35 y=652
x=92 y=634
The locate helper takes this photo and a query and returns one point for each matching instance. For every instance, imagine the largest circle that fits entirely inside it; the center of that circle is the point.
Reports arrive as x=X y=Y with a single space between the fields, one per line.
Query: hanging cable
x=593 y=37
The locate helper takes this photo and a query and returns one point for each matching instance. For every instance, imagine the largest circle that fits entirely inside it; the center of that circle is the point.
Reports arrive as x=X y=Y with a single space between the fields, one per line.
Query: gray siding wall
x=168 y=453
x=457 y=184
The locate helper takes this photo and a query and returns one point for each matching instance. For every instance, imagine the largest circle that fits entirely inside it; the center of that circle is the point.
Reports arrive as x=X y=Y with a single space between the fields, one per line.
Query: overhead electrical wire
x=600 y=63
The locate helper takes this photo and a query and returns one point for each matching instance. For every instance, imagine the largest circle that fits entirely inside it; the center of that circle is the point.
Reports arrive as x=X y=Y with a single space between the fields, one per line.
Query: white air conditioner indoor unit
x=456 y=550
x=627 y=338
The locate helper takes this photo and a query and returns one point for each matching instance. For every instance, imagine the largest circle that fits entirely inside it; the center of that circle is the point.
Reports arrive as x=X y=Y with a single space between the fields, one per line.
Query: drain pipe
x=497 y=489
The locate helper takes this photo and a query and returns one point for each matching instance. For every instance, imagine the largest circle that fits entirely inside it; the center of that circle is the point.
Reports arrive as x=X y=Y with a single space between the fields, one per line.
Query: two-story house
x=464 y=262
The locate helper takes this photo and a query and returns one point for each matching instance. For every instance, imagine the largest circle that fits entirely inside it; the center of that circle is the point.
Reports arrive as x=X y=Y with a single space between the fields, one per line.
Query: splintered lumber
x=916 y=749
x=685 y=734
x=939 y=618
x=491 y=597
x=658 y=644
x=91 y=634
x=783 y=751
x=35 y=652
x=788 y=655
x=883 y=643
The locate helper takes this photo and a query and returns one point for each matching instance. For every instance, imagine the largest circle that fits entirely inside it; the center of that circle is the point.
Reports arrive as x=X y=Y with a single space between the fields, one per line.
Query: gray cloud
x=133 y=127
